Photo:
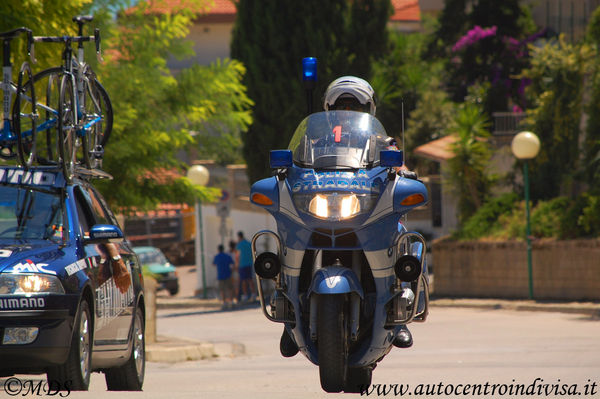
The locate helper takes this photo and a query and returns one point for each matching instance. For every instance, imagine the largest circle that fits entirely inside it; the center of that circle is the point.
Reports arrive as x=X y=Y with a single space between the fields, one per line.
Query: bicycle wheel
x=67 y=126
x=24 y=118
x=47 y=143
x=96 y=121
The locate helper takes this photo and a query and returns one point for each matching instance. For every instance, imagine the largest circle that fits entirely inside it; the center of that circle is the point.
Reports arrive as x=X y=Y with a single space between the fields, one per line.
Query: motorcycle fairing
x=335 y=280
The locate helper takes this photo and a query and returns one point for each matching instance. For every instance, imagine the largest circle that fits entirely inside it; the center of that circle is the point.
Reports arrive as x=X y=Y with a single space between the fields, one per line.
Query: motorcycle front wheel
x=332 y=342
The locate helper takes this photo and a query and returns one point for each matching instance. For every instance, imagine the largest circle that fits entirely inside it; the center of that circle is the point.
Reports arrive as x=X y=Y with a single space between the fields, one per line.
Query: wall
x=210 y=42
x=239 y=220
x=562 y=270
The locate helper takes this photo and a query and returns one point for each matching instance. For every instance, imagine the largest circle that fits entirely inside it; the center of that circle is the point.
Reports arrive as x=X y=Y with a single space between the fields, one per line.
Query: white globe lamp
x=525 y=145
x=199 y=175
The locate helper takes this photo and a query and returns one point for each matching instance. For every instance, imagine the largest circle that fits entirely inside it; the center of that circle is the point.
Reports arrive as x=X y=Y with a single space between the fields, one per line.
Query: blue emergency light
x=309 y=69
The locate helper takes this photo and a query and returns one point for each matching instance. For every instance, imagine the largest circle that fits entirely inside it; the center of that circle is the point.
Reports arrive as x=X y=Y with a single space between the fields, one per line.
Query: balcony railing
x=507 y=123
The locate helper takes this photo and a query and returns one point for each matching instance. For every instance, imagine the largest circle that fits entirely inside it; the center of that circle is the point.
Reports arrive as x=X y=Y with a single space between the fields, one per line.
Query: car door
x=110 y=300
x=121 y=259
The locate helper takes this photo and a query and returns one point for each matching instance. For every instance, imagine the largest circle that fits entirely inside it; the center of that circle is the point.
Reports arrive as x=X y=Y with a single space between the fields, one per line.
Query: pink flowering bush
x=473 y=36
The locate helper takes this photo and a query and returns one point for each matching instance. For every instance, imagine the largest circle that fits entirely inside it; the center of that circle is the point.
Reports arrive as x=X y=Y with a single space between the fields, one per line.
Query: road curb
x=176 y=350
x=591 y=309
x=183 y=303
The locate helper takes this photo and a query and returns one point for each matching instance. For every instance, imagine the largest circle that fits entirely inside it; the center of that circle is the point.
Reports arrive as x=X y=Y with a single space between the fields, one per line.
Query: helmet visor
x=349 y=104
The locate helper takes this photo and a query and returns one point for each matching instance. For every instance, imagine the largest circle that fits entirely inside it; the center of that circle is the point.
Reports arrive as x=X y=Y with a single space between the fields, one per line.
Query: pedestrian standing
x=244 y=249
x=224 y=262
x=235 y=275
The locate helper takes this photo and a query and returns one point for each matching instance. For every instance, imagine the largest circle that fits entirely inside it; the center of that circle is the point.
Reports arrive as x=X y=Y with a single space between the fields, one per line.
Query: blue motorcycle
x=347 y=274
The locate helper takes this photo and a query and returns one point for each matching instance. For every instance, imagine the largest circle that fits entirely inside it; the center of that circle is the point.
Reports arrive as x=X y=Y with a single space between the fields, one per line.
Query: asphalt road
x=454 y=348
x=457 y=352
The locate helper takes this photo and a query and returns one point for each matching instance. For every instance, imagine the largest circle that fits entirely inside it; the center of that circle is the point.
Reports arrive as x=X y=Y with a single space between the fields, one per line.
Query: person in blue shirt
x=223 y=262
x=245 y=271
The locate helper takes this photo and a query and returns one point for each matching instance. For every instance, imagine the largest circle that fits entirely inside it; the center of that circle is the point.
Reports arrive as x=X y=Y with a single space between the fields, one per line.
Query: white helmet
x=346 y=91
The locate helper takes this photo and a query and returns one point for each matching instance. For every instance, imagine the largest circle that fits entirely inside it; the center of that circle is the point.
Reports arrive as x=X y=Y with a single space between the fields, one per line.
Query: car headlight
x=19 y=284
x=335 y=206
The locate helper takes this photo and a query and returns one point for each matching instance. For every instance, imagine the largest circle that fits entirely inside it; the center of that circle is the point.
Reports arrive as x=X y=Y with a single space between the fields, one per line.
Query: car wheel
x=74 y=374
x=130 y=376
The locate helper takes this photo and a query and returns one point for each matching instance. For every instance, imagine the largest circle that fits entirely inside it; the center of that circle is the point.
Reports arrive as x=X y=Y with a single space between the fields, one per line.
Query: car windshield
x=30 y=214
x=339 y=140
x=152 y=257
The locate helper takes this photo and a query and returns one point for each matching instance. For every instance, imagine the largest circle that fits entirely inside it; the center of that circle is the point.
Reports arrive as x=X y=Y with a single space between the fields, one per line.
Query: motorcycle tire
x=358 y=379
x=332 y=342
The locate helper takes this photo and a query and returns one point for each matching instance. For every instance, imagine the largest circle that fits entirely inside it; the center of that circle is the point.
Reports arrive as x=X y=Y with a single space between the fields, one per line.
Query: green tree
x=401 y=77
x=469 y=176
x=271 y=38
x=483 y=56
x=592 y=138
x=452 y=24
x=44 y=19
x=484 y=41
x=557 y=73
x=156 y=114
x=159 y=114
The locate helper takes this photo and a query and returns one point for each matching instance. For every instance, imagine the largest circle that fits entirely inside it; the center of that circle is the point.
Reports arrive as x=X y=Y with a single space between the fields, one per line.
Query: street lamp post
x=525 y=146
x=199 y=175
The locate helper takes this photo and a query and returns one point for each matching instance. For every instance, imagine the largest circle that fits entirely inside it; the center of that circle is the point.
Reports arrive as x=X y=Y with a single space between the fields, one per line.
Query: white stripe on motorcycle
x=385 y=204
x=292 y=262
x=381 y=264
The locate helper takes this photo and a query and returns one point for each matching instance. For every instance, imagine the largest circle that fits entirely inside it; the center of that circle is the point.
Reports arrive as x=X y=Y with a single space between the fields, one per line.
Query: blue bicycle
x=19 y=125
x=85 y=110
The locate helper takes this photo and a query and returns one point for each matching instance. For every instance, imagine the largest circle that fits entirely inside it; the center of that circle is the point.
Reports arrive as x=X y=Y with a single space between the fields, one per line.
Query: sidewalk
x=169 y=349
x=175 y=349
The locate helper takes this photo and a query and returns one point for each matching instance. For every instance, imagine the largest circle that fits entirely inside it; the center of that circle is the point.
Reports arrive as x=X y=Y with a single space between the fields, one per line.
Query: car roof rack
x=92 y=173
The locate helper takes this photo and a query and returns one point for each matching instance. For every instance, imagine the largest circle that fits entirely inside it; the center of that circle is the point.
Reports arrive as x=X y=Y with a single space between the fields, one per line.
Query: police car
x=71 y=295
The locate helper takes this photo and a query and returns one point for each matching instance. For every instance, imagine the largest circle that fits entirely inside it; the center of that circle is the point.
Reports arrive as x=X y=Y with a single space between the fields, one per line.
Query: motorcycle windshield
x=339 y=140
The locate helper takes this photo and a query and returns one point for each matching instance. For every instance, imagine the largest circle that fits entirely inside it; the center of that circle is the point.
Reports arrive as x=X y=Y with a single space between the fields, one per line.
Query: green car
x=155 y=263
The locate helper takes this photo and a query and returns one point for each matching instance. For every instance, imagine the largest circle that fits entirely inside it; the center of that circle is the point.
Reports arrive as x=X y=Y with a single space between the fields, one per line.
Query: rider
x=348 y=93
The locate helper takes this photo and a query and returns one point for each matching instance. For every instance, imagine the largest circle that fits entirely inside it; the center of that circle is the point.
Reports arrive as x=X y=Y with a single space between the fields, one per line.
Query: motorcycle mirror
x=281 y=159
x=390 y=158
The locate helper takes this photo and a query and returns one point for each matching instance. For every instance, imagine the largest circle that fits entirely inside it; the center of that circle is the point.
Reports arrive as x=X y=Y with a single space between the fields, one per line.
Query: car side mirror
x=104 y=233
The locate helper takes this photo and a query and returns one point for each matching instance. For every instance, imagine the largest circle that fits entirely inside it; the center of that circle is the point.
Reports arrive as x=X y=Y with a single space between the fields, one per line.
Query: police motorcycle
x=347 y=274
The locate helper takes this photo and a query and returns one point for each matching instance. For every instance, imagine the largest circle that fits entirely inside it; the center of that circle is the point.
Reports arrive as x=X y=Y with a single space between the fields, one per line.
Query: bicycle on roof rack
x=19 y=125
x=85 y=110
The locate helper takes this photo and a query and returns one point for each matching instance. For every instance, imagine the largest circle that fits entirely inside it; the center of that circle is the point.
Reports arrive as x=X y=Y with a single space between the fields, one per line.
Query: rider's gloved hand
x=408 y=174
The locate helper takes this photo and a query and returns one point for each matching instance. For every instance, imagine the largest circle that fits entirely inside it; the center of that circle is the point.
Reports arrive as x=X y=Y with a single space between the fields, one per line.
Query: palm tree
x=469 y=176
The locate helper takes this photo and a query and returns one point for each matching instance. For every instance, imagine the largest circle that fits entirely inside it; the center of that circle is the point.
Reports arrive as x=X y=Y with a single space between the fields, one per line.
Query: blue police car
x=71 y=294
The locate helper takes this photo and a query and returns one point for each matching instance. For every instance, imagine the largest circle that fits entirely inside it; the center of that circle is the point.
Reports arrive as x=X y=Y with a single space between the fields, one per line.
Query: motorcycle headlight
x=19 y=284
x=335 y=206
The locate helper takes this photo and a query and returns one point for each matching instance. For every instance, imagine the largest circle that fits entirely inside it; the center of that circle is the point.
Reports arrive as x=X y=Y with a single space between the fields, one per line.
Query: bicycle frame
x=75 y=67
x=7 y=135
